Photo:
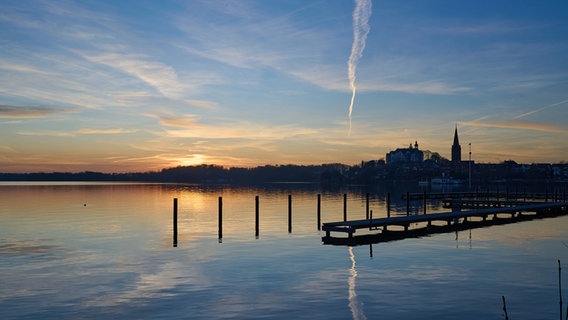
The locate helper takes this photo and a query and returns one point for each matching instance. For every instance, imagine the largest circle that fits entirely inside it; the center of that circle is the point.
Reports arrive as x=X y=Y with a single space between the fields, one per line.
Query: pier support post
x=289 y=213
x=424 y=203
x=388 y=205
x=367 y=207
x=220 y=218
x=319 y=211
x=175 y=221
x=256 y=217
x=407 y=203
x=560 y=287
x=345 y=207
x=370 y=219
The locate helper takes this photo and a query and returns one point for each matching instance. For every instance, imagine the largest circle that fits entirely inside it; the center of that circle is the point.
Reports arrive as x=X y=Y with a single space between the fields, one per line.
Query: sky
x=134 y=85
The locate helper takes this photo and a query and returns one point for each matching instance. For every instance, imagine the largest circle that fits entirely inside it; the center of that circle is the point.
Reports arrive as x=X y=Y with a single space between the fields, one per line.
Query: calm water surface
x=93 y=250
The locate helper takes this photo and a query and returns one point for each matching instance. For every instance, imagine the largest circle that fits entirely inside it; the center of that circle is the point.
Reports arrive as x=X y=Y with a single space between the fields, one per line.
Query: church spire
x=456 y=148
x=456 y=140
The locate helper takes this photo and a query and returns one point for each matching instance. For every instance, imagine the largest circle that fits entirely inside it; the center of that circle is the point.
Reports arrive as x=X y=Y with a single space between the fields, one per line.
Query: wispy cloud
x=202 y=103
x=520 y=125
x=187 y=121
x=106 y=131
x=7 y=149
x=27 y=112
x=54 y=133
x=242 y=130
x=427 y=87
x=45 y=133
x=21 y=68
x=157 y=75
x=479 y=28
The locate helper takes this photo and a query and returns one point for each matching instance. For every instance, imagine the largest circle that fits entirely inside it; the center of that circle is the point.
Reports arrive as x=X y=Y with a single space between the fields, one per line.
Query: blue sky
x=120 y=86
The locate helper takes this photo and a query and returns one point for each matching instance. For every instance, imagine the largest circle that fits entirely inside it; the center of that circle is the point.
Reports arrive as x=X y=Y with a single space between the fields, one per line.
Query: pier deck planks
x=351 y=226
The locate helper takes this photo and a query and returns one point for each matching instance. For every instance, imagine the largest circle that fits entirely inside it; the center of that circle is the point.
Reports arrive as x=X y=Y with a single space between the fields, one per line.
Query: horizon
x=139 y=86
x=561 y=163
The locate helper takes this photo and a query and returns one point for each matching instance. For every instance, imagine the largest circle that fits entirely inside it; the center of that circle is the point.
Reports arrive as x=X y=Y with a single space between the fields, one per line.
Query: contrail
x=361 y=15
x=540 y=109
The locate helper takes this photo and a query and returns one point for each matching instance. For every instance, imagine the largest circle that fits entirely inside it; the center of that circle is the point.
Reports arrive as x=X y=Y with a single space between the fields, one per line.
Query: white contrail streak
x=541 y=109
x=361 y=15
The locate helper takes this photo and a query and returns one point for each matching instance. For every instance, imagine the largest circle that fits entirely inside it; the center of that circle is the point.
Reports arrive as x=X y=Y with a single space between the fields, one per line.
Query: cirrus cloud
x=27 y=112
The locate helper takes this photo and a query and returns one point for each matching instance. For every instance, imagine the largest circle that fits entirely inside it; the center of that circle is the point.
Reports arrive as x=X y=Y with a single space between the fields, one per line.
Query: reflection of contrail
x=354 y=304
x=361 y=15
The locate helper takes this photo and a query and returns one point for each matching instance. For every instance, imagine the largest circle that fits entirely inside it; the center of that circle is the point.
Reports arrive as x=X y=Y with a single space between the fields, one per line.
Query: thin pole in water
x=345 y=207
x=319 y=211
x=560 y=287
x=407 y=203
x=220 y=218
x=175 y=220
x=367 y=206
x=289 y=213
x=388 y=205
x=424 y=204
x=505 y=309
x=256 y=217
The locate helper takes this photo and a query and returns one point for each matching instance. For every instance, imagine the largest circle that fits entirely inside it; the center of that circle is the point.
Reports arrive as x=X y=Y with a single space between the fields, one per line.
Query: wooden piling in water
x=388 y=205
x=546 y=195
x=560 y=287
x=407 y=203
x=319 y=211
x=175 y=222
x=367 y=207
x=220 y=218
x=424 y=203
x=256 y=217
x=289 y=213
x=345 y=207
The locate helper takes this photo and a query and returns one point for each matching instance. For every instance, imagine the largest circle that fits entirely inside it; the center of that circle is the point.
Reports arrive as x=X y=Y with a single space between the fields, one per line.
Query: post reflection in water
x=354 y=304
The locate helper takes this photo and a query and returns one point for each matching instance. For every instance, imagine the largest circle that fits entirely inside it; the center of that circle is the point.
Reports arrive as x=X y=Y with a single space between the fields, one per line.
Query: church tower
x=456 y=149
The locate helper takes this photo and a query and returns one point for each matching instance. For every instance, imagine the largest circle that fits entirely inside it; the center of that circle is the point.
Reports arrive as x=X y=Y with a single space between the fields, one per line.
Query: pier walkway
x=540 y=209
x=478 y=204
x=555 y=195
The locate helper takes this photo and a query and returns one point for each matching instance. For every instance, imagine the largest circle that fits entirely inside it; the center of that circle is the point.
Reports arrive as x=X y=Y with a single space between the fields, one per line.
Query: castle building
x=406 y=155
x=456 y=149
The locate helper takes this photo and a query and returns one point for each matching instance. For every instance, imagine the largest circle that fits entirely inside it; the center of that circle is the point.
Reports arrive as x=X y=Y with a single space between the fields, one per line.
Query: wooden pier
x=453 y=220
x=480 y=204
x=507 y=195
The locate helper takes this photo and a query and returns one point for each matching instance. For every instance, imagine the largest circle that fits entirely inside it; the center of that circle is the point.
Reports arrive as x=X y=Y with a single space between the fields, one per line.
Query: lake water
x=95 y=250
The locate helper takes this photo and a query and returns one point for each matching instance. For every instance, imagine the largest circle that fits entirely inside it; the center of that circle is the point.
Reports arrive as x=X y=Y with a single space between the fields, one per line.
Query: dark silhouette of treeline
x=327 y=174
x=199 y=174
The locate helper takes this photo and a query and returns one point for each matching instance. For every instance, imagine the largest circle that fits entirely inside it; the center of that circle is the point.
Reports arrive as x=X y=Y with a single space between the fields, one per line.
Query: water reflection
x=113 y=259
x=355 y=305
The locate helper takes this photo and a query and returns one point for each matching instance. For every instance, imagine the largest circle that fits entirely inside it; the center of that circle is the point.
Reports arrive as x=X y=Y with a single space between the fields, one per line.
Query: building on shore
x=408 y=155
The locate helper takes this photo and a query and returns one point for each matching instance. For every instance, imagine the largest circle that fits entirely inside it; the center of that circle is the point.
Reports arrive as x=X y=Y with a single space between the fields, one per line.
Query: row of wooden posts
x=368 y=214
